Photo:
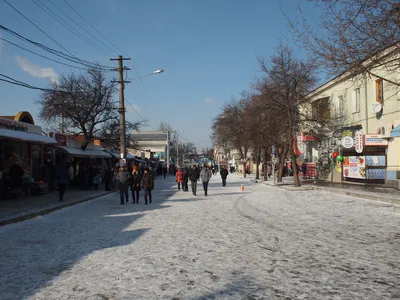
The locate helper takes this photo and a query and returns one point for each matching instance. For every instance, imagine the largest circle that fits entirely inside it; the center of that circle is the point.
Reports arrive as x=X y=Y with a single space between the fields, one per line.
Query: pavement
x=16 y=210
x=263 y=243
x=370 y=192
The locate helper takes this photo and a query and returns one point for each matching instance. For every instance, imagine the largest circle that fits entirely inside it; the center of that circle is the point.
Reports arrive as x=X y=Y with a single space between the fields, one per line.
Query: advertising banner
x=354 y=167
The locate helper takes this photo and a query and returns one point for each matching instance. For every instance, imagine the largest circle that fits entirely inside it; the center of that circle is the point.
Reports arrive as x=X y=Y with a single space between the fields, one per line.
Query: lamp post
x=121 y=86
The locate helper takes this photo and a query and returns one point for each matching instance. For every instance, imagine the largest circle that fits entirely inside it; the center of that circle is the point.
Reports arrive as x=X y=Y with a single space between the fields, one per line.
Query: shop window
x=320 y=109
x=356 y=100
x=379 y=91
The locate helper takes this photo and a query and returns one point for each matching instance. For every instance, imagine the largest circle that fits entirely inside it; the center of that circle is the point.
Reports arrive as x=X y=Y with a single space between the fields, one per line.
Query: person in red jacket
x=179 y=178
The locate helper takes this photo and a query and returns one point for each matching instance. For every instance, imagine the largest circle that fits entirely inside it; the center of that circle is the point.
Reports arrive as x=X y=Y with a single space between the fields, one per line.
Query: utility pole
x=168 y=152
x=121 y=109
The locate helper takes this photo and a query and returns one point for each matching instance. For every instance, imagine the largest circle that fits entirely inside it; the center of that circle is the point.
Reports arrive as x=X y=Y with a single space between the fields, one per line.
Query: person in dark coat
x=123 y=177
x=136 y=182
x=107 y=179
x=194 y=175
x=304 y=170
x=147 y=184
x=165 y=171
x=224 y=175
x=62 y=177
x=205 y=176
x=185 y=179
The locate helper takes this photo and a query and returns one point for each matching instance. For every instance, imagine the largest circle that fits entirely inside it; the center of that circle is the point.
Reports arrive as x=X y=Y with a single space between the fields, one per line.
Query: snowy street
x=264 y=243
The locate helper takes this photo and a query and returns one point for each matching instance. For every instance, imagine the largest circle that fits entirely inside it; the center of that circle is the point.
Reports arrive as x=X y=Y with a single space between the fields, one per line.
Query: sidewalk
x=16 y=210
x=377 y=193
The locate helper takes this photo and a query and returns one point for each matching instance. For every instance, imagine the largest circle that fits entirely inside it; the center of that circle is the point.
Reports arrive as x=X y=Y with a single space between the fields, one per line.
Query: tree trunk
x=244 y=169
x=282 y=160
x=258 y=164
x=294 y=165
x=265 y=164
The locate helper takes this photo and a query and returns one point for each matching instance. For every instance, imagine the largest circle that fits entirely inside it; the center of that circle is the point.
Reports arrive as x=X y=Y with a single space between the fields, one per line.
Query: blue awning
x=395 y=131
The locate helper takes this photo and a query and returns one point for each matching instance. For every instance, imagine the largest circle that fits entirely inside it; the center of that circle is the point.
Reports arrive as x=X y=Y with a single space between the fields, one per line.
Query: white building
x=367 y=105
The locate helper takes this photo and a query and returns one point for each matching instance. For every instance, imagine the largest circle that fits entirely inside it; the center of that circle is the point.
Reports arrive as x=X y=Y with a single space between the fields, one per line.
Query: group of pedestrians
x=195 y=174
x=136 y=181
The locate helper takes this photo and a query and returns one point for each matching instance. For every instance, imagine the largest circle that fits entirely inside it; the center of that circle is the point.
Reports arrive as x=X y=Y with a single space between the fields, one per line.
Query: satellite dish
x=376 y=107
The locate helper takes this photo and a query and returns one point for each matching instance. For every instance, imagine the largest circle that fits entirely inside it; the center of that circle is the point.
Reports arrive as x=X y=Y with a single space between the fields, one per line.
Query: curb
x=48 y=210
x=364 y=196
x=393 y=201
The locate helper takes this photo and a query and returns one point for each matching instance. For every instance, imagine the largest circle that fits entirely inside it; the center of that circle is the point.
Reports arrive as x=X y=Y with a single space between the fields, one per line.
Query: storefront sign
x=375 y=140
x=12 y=125
x=354 y=167
x=359 y=143
x=347 y=142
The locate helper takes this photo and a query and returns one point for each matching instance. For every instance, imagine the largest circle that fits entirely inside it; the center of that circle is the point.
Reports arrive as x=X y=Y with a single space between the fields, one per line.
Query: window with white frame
x=339 y=107
x=356 y=100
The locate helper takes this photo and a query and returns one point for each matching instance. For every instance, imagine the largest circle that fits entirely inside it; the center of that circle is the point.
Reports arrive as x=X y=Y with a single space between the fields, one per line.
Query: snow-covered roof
x=88 y=152
x=26 y=136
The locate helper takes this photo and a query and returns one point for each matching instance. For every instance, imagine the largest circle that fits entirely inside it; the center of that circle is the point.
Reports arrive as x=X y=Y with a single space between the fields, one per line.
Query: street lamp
x=121 y=81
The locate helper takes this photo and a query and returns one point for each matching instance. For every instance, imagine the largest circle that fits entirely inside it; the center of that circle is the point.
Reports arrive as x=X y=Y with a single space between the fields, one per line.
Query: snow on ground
x=265 y=243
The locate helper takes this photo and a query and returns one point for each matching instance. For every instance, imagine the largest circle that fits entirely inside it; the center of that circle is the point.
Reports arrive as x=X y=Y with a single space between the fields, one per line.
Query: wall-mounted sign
x=375 y=140
x=347 y=142
x=359 y=142
x=376 y=107
x=97 y=142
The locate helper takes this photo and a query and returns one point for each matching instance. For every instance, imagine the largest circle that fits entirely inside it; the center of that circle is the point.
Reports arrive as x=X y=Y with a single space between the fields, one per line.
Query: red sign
x=359 y=147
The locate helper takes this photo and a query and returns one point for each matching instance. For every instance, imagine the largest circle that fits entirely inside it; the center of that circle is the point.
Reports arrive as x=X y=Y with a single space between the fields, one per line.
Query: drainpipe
x=366 y=104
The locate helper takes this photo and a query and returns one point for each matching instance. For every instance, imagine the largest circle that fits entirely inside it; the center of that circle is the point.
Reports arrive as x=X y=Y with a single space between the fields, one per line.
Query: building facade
x=364 y=114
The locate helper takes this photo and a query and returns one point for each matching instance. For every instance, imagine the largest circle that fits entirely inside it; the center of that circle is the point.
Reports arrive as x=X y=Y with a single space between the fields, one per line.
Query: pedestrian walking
x=179 y=178
x=269 y=170
x=165 y=171
x=205 y=176
x=123 y=178
x=136 y=182
x=62 y=177
x=304 y=170
x=96 y=180
x=194 y=175
x=185 y=179
x=147 y=184
x=108 y=178
x=224 y=174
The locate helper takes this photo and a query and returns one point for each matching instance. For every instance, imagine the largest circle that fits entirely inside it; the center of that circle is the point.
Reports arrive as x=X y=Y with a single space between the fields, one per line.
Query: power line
x=109 y=49
x=9 y=4
x=87 y=22
x=143 y=119
x=23 y=84
x=57 y=61
x=61 y=21
x=143 y=87
x=55 y=52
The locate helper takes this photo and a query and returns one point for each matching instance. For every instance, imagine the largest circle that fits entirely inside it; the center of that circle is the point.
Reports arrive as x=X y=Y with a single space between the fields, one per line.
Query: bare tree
x=231 y=128
x=358 y=36
x=110 y=133
x=84 y=103
x=288 y=81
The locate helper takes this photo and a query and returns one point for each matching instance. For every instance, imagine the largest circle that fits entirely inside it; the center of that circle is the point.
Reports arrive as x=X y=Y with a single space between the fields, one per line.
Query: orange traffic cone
x=242 y=188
